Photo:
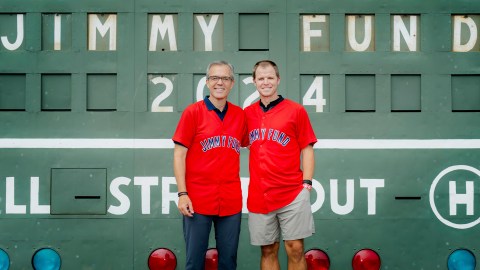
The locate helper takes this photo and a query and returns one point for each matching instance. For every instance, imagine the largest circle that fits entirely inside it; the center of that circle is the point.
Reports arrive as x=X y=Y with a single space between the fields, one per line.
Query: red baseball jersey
x=276 y=140
x=213 y=157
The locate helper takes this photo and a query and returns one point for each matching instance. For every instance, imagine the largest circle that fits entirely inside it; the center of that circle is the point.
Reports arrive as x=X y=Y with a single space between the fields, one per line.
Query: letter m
x=162 y=27
x=95 y=24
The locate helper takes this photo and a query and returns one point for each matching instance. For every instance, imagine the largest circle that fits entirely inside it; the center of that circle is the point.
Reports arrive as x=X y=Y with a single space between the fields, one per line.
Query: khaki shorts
x=294 y=221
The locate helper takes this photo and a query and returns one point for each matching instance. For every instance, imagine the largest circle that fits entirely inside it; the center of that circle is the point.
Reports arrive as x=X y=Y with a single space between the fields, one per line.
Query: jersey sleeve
x=185 y=132
x=305 y=133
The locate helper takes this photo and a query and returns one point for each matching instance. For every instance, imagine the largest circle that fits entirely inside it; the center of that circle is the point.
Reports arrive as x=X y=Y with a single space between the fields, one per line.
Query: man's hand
x=185 y=206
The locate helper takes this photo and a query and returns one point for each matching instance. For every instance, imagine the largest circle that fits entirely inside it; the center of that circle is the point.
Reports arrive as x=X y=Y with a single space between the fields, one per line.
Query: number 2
x=165 y=94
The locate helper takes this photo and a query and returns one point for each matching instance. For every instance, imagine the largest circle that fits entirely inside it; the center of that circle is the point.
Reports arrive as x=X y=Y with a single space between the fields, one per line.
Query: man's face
x=219 y=88
x=266 y=81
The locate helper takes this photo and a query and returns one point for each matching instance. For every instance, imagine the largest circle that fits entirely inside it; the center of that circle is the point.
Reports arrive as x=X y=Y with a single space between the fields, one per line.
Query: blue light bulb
x=4 y=260
x=461 y=259
x=46 y=259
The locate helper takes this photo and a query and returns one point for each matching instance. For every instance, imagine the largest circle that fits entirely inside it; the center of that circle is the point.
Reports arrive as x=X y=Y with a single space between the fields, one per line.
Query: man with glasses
x=206 y=165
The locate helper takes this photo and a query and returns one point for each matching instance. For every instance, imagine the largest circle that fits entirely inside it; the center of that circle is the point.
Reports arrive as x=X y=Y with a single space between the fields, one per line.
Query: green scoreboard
x=91 y=92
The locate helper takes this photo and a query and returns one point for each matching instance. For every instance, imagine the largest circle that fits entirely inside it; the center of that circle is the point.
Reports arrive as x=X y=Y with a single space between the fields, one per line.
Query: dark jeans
x=196 y=230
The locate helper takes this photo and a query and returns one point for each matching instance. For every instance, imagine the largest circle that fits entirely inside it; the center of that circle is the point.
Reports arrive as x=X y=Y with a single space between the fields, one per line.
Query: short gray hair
x=221 y=63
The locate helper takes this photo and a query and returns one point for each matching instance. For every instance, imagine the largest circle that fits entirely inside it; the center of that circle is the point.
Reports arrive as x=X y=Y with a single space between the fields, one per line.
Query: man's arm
x=308 y=162
x=179 y=166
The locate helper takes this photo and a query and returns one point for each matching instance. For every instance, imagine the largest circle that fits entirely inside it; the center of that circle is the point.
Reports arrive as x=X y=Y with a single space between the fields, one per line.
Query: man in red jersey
x=281 y=170
x=206 y=165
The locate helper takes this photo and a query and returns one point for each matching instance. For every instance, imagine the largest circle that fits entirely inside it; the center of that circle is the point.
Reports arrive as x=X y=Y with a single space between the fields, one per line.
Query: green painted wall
x=424 y=105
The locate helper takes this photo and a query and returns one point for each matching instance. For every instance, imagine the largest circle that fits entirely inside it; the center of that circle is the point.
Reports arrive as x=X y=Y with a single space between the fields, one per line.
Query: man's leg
x=265 y=232
x=196 y=230
x=227 y=233
x=269 y=260
x=296 y=258
x=296 y=221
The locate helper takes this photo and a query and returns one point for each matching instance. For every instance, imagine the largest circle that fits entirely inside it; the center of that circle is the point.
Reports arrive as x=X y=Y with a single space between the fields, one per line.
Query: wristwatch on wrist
x=307 y=184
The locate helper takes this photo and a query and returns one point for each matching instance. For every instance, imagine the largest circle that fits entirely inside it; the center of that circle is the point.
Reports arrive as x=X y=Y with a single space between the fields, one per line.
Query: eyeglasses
x=216 y=78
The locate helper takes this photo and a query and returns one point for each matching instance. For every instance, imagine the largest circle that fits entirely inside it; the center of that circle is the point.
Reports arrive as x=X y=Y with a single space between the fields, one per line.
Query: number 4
x=316 y=88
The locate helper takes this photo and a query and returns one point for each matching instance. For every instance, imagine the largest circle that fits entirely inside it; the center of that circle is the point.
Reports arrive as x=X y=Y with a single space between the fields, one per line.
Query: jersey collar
x=271 y=104
x=211 y=107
